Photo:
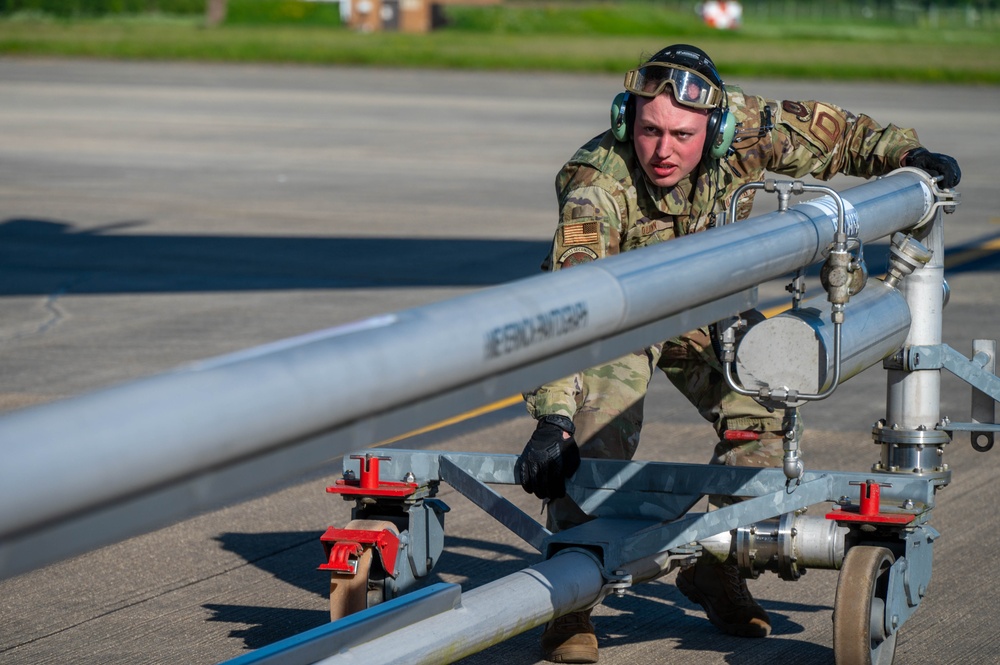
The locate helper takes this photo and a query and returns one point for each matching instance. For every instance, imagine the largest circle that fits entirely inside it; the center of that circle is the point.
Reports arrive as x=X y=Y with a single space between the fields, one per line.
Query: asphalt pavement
x=153 y=214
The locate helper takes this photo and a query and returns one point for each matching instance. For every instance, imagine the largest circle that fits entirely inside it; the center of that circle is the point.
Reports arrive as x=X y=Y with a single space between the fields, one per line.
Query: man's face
x=668 y=138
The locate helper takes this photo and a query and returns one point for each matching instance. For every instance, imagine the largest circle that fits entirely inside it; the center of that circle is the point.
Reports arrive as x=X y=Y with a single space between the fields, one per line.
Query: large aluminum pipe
x=488 y=614
x=149 y=447
x=795 y=350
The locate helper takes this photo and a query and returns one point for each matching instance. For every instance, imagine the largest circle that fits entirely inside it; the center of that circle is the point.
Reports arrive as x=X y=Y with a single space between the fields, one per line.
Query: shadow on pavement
x=45 y=256
x=292 y=557
x=266 y=625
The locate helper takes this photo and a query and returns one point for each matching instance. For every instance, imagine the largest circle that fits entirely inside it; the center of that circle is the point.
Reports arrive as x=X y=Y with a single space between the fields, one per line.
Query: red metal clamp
x=344 y=546
x=342 y=557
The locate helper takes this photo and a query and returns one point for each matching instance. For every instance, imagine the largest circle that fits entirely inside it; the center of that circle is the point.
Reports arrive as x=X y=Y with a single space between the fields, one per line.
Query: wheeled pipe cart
x=873 y=525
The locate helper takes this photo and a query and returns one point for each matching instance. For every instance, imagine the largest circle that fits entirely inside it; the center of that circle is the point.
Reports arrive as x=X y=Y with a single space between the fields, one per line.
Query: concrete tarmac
x=156 y=214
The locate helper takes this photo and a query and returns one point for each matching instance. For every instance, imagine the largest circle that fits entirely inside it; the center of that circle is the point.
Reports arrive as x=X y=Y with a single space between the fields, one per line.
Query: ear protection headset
x=721 y=125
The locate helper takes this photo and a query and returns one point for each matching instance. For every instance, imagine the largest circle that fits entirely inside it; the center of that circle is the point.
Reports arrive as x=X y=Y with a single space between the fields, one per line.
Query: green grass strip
x=877 y=53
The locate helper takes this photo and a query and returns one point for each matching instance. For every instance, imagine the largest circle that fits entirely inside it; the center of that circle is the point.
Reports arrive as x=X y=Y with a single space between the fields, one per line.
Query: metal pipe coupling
x=786 y=545
x=919 y=451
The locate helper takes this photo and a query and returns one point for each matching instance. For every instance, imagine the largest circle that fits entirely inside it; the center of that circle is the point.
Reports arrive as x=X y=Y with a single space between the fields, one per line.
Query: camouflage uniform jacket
x=607 y=205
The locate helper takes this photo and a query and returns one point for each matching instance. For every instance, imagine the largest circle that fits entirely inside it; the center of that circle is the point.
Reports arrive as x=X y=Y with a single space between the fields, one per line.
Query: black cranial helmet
x=691 y=57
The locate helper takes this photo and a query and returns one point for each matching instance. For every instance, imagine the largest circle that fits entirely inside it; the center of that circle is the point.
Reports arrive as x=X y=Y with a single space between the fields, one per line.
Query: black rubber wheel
x=859 y=634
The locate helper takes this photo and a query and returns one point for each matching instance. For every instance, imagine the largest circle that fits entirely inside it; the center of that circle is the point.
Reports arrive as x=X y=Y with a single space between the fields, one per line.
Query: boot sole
x=573 y=656
x=572 y=653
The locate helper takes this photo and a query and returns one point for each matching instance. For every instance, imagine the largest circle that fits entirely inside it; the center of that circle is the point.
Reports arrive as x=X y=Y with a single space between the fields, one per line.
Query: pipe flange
x=909 y=437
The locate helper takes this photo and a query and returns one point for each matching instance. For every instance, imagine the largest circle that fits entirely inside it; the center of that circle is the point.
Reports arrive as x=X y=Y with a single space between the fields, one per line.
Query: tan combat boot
x=722 y=591
x=570 y=639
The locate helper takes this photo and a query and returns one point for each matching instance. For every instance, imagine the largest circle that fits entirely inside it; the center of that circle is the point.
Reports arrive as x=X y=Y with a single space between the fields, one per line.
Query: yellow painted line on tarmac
x=483 y=410
x=777 y=309
x=982 y=250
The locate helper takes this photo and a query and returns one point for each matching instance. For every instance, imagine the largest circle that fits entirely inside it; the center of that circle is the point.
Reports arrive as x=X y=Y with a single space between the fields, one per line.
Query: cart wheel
x=366 y=588
x=859 y=636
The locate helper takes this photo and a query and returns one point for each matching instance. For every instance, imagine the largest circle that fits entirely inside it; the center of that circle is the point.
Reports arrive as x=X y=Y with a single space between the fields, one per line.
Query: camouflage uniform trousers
x=610 y=411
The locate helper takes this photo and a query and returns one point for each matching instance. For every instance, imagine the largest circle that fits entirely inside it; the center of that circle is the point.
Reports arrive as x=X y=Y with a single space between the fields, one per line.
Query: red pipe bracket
x=869 y=508
x=369 y=484
x=342 y=544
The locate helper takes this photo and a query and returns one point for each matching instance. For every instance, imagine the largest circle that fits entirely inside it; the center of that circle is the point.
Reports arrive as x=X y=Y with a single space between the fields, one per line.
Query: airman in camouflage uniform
x=607 y=206
x=609 y=203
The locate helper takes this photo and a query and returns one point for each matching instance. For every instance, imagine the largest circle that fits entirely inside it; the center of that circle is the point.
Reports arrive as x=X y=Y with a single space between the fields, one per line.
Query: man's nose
x=664 y=146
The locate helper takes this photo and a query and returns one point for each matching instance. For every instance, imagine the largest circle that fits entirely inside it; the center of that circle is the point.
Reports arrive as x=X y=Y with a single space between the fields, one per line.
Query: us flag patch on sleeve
x=581 y=234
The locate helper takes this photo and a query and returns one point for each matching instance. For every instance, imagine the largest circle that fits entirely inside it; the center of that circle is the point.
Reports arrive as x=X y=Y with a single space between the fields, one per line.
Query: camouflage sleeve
x=590 y=220
x=822 y=140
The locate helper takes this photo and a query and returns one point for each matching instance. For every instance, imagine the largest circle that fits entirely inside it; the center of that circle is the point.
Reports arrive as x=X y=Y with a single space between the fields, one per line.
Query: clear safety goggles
x=689 y=87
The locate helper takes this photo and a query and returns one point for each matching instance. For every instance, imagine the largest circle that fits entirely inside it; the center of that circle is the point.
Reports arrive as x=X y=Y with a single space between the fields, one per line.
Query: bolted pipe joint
x=917 y=451
x=787 y=545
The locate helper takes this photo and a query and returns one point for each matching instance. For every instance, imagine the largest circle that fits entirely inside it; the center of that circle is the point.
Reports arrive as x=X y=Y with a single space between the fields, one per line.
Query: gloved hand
x=935 y=164
x=549 y=458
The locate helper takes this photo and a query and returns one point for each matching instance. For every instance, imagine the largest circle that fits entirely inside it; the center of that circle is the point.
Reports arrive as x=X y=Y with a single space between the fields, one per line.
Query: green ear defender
x=619 y=120
x=721 y=130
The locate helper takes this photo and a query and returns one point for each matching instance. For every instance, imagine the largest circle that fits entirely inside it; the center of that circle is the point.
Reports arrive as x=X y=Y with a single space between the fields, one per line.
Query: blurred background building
x=399 y=15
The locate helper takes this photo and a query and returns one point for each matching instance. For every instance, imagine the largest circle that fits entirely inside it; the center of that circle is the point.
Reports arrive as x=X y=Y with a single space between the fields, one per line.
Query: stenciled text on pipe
x=526 y=332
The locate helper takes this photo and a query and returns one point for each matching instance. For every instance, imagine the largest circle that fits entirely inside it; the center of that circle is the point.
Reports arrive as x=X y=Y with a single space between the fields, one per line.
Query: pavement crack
x=55 y=313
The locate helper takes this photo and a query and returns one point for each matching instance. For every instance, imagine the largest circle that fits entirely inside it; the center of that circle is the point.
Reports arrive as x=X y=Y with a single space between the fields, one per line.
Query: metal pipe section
x=913 y=398
x=145 y=447
x=909 y=439
x=794 y=351
x=488 y=614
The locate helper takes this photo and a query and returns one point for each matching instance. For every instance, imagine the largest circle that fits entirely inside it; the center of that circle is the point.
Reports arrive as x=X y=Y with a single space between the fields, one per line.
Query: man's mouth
x=664 y=169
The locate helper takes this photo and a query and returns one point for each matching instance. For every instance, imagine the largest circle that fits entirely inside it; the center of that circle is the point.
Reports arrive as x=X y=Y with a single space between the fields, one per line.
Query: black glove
x=935 y=164
x=549 y=458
